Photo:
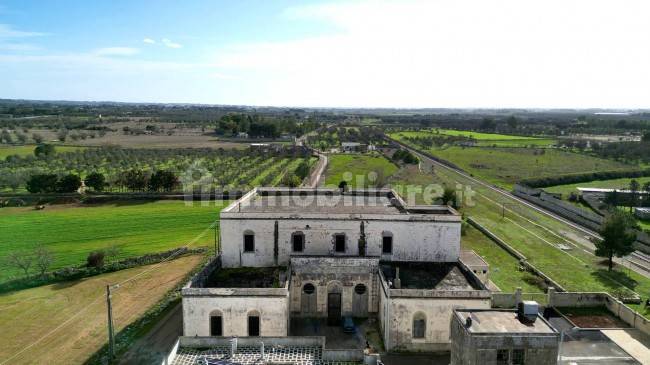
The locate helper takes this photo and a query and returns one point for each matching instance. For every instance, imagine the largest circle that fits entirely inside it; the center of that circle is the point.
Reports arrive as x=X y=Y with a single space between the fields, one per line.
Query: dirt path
x=155 y=345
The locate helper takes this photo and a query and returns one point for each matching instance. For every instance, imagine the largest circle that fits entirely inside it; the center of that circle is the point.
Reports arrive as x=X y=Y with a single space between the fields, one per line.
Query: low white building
x=294 y=255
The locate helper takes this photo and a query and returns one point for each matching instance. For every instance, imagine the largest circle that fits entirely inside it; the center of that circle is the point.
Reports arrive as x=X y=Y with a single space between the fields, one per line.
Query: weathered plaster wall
x=345 y=277
x=412 y=240
x=469 y=349
x=438 y=313
x=273 y=311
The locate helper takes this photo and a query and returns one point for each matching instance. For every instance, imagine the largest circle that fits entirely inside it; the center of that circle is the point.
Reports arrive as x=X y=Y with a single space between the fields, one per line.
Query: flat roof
x=429 y=275
x=502 y=321
x=309 y=201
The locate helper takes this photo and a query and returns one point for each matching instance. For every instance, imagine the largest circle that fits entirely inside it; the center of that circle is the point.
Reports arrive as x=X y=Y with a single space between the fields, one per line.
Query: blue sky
x=461 y=53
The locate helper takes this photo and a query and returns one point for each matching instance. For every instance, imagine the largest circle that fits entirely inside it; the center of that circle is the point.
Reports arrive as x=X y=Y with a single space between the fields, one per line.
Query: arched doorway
x=334 y=293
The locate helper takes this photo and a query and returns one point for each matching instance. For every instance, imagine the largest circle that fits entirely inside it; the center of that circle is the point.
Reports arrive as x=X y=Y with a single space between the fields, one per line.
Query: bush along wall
x=580 y=178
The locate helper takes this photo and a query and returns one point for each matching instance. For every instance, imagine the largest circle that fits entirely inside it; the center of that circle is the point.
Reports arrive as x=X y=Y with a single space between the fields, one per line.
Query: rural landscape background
x=127 y=126
x=139 y=217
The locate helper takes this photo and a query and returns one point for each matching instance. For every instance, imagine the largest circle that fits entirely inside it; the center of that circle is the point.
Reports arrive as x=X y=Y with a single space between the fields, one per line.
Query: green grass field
x=504 y=268
x=623 y=183
x=483 y=139
x=355 y=168
x=71 y=232
x=27 y=150
x=505 y=166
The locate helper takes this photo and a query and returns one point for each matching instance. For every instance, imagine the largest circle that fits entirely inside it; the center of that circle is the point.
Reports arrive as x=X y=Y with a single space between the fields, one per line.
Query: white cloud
x=170 y=44
x=7 y=31
x=116 y=51
x=511 y=53
x=21 y=47
x=149 y=41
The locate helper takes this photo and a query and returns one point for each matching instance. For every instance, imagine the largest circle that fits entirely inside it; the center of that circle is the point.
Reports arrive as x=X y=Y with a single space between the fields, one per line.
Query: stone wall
x=438 y=313
x=343 y=276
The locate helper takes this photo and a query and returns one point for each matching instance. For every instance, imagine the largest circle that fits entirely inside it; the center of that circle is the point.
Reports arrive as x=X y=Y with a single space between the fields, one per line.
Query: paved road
x=645 y=271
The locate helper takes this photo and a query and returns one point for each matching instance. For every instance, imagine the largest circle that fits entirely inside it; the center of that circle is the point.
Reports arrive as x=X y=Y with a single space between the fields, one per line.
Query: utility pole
x=215 y=239
x=111 y=333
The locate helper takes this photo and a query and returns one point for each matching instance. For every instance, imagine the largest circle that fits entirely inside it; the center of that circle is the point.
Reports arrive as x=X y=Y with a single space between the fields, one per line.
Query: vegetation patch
x=71 y=232
x=359 y=171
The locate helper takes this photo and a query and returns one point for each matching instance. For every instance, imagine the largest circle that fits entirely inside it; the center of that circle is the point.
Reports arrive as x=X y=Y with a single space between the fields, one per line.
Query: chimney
x=398 y=282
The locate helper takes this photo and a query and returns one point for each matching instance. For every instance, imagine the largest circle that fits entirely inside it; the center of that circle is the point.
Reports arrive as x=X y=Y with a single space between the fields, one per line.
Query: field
x=73 y=231
x=28 y=150
x=227 y=169
x=355 y=169
x=623 y=183
x=506 y=166
x=504 y=268
x=66 y=323
x=482 y=139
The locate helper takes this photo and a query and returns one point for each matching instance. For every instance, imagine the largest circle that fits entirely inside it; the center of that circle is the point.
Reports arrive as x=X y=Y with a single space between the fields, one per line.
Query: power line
x=96 y=300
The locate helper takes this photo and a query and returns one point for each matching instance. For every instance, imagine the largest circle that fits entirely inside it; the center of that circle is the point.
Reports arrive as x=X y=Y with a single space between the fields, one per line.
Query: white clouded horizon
x=456 y=54
x=462 y=53
x=168 y=43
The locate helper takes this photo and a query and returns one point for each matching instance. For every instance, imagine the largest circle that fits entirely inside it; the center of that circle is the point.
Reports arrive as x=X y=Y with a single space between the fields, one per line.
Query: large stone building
x=293 y=254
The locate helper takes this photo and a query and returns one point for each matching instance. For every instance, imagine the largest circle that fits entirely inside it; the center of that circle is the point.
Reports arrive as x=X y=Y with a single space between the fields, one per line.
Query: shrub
x=95 y=259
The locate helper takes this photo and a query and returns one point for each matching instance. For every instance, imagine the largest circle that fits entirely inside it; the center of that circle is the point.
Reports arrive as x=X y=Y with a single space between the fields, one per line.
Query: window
x=339 y=242
x=216 y=325
x=502 y=357
x=387 y=245
x=518 y=357
x=298 y=242
x=249 y=242
x=419 y=325
x=360 y=289
x=308 y=288
x=253 y=325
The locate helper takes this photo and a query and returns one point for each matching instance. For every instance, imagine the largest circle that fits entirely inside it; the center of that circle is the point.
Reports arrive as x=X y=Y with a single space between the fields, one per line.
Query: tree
x=44 y=150
x=291 y=180
x=646 y=187
x=634 y=188
x=163 y=180
x=95 y=259
x=22 y=138
x=96 y=181
x=135 y=180
x=512 y=122
x=488 y=124
x=618 y=232
x=68 y=184
x=37 y=138
x=43 y=258
x=62 y=135
x=646 y=137
x=20 y=260
x=448 y=196
x=6 y=136
x=42 y=183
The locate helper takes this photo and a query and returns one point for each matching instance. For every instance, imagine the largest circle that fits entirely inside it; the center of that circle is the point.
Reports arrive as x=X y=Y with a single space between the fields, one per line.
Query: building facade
x=326 y=254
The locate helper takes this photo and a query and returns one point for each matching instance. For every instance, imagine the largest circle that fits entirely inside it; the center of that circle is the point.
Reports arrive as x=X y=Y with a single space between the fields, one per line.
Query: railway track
x=638 y=261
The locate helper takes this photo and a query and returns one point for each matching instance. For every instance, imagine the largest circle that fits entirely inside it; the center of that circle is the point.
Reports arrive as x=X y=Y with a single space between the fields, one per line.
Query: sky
x=393 y=54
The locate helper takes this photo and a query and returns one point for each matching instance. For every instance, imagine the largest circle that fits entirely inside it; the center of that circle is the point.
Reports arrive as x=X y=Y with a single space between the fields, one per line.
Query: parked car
x=348 y=325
